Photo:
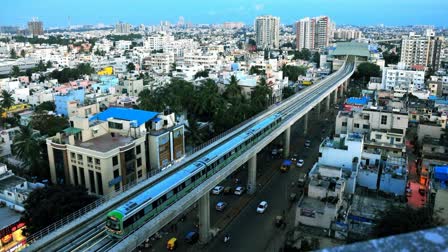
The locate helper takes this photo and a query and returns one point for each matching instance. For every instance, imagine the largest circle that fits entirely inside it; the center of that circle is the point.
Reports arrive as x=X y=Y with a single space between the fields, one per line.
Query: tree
x=208 y=100
x=27 y=147
x=203 y=74
x=261 y=96
x=366 y=70
x=47 y=205
x=287 y=92
x=316 y=59
x=13 y=54
x=233 y=91
x=7 y=99
x=49 y=64
x=22 y=53
x=397 y=220
x=15 y=71
x=306 y=54
x=46 y=106
x=130 y=67
x=293 y=72
x=256 y=70
x=41 y=66
x=47 y=124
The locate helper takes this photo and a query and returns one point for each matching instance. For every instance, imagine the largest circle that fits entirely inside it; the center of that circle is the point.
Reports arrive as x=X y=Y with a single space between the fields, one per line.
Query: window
x=139 y=162
x=116 y=173
x=114 y=125
x=97 y=161
x=89 y=159
x=99 y=183
x=398 y=139
x=82 y=176
x=75 y=174
x=139 y=173
x=72 y=155
x=398 y=118
x=92 y=181
x=115 y=161
x=138 y=149
x=366 y=126
x=366 y=117
x=384 y=119
x=79 y=156
x=378 y=136
x=356 y=125
x=344 y=124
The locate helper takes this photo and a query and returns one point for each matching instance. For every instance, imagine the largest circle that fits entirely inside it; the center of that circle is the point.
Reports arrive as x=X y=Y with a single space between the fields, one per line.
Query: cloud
x=259 y=7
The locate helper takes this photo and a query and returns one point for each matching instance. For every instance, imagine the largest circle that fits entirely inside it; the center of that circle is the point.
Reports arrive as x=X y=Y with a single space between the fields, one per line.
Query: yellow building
x=15 y=109
x=106 y=71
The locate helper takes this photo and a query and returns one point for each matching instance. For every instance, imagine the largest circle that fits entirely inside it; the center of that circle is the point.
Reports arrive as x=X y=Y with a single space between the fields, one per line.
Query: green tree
x=203 y=74
x=208 y=100
x=293 y=72
x=306 y=54
x=130 y=67
x=7 y=100
x=233 y=91
x=47 y=205
x=366 y=70
x=316 y=59
x=22 y=53
x=15 y=71
x=397 y=220
x=13 y=54
x=287 y=92
x=49 y=64
x=41 y=66
x=46 y=106
x=47 y=124
x=261 y=96
x=27 y=148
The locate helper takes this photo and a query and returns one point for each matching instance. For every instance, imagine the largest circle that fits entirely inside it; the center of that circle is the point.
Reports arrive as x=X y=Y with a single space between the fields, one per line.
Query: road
x=251 y=231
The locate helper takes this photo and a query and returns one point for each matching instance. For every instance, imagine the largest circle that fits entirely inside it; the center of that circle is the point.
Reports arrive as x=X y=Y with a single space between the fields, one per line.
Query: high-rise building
x=267 y=31
x=347 y=34
x=314 y=33
x=36 y=27
x=122 y=28
x=422 y=50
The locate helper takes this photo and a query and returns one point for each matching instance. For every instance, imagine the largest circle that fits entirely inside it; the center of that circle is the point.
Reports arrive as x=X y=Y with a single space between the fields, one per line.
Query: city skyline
x=55 y=14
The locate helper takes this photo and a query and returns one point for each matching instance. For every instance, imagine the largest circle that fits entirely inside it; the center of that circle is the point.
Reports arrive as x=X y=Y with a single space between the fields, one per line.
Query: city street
x=239 y=219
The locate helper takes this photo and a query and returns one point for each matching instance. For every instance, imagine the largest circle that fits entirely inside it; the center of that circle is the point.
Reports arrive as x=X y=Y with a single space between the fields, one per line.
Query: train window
x=128 y=222
x=181 y=187
x=198 y=175
x=139 y=215
x=209 y=168
x=148 y=209
x=162 y=199
x=155 y=204
x=169 y=194
x=188 y=182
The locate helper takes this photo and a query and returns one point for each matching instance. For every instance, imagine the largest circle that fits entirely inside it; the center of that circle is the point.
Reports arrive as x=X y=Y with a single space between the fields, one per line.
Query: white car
x=300 y=163
x=239 y=190
x=307 y=143
x=218 y=190
x=262 y=207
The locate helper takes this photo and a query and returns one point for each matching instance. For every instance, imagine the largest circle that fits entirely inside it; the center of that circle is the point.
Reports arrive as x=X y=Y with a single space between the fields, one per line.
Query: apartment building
x=421 y=50
x=206 y=60
x=314 y=33
x=347 y=34
x=159 y=62
x=404 y=80
x=113 y=148
x=35 y=27
x=122 y=28
x=267 y=32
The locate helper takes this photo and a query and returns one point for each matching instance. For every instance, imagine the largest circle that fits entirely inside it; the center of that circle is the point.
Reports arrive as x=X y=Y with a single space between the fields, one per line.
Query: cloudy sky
x=358 y=12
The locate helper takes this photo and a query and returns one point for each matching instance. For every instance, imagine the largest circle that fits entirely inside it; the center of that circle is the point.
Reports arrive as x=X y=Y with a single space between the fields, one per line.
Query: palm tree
x=27 y=147
x=209 y=100
x=233 y=91
x=261 y=95
x=7 y=99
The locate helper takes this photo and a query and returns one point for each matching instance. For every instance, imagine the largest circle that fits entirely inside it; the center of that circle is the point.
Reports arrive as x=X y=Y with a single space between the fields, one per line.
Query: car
x=300 y=163
x=192 y=237
x=262 y=207
x=228 y=190
x=218 y=190
x=239 y=190
x=307 y=143
x=220 y=205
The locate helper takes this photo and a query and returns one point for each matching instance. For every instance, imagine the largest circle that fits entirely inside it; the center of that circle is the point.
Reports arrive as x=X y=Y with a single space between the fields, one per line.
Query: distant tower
x=69 y=24
x=35 y=27
x=181 y=21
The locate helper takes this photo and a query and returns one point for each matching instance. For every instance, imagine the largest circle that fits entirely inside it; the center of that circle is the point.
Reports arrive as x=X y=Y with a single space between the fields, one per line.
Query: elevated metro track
x=87 y=233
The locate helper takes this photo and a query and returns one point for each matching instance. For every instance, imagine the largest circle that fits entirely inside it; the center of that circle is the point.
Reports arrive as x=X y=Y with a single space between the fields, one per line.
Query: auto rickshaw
x=171 y=244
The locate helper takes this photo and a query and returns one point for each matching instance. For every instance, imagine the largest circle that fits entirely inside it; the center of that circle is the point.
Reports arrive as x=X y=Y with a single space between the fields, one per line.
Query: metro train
x=134 y=213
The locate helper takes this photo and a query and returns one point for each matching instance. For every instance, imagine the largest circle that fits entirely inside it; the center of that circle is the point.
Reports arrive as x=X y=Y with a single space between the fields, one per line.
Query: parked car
x=221 y=205
x=192 y=237
x=218 y=190
x=262 y=207
x=239 y=190
x=301 y=181
x=307 y=143
x=228 y=190
x=300 y=163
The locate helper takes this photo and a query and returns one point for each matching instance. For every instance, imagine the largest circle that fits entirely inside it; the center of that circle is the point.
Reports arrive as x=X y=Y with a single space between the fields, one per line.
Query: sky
x=56 y=13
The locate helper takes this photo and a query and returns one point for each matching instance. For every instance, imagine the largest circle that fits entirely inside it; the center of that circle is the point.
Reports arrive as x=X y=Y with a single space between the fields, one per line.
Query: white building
x=122 y=28
x=406 y=80
x=267 y=31
x=422 y=50
x=314 y=33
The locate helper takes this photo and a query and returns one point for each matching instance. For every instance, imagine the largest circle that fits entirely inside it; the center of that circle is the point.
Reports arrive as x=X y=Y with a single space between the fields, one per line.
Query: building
x=131 y=87
x=347 y=34
x=36 y=27
x=232 y=25
x=421 y=50
x=62 y=100
x=314 y=33
x=267 y=32
x=399 y=79
x=122 y=28
x=113 y=148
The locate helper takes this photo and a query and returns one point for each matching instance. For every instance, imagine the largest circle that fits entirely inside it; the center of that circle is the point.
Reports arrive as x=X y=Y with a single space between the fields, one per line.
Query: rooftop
x=352 y=48
x=105 y=142
x=140 y=116
x=10 y=181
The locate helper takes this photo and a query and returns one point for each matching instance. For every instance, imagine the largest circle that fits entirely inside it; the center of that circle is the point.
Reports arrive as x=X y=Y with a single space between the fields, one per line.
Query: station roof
x=141 y=116
x=351 y=48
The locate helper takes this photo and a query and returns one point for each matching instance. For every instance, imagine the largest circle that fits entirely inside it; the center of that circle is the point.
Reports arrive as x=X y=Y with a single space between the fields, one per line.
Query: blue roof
x=141 y=116
x=356 y=100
